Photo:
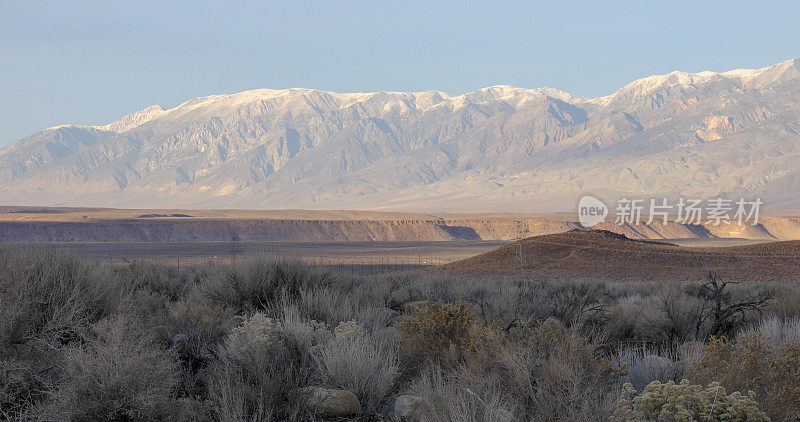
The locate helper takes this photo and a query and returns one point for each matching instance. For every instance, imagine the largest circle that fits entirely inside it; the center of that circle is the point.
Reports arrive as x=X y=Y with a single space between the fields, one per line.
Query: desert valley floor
x=362 y=242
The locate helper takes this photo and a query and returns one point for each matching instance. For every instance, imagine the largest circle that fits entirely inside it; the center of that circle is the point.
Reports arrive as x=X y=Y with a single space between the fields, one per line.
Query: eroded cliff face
x=340 y=230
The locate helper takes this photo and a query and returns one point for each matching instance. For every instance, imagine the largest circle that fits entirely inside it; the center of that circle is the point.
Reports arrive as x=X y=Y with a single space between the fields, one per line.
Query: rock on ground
x=332 y=402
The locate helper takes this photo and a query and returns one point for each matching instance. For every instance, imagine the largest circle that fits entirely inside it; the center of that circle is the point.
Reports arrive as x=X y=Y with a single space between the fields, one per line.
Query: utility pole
x=234 y=247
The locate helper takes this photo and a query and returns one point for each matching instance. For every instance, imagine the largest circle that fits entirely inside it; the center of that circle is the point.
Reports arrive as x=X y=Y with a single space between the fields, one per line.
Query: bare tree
x=725 y=312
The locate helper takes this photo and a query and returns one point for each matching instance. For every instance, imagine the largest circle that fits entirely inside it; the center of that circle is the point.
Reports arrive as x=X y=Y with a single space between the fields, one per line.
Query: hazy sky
x=92 y=62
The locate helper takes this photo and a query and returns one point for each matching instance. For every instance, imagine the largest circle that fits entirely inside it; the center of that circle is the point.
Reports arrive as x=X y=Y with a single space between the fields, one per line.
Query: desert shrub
x=678 y=317
x=302 y=336
x=531 y=304
x=750 y=362
x=729 y=306
x=437 y=327
x=558 y=375
x=332 y=306
x=500 y=302
x=258 y=337
x=779 y=331
x=645 y=365
x=118 y=373
x=578 y=302
x=627 y=320
x=258 y=284
x=619 y=290
x=261 y=370
x=21 y=387
x=239 y=393
x=361 y=362
x=46 y=296
x=195 y=330
x=155 y=278
x=785 y=303
x=475 y=351
x=462 y=395
x=686 y=402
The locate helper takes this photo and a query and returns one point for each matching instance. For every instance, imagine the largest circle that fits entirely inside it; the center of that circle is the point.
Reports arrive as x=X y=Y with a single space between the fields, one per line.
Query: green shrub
x=686 y=402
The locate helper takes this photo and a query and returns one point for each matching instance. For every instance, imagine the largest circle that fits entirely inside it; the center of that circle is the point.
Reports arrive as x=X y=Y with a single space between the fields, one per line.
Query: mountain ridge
x=154 y=111
x=498 y=147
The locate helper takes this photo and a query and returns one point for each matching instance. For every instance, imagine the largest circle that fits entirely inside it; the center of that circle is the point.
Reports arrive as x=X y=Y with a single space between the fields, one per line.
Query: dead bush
x=21 y=387
x=678 y=318
x=582 y=303
x=195 y=330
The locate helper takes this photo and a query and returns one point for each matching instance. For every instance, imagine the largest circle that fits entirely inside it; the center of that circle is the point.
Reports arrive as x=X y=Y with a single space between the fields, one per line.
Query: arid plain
x=370 y=242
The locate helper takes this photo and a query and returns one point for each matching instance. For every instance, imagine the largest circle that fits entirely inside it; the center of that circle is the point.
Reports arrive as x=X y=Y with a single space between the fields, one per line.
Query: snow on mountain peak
x=298 y=100
x=134 y=119
x=750 y=78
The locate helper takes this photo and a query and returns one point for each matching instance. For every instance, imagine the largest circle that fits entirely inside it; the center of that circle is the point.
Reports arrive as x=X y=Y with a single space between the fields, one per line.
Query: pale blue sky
x=92 y=62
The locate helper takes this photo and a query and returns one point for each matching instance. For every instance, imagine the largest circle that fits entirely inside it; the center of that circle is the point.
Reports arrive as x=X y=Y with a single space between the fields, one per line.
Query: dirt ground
x=602 y=255
x=355 y=257
x=370 y=242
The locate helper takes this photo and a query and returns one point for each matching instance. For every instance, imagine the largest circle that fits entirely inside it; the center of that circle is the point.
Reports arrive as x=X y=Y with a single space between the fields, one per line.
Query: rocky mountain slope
x=500 y=148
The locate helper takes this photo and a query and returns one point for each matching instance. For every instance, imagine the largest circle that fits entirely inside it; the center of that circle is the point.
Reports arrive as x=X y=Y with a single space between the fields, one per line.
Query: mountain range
x=701 y=135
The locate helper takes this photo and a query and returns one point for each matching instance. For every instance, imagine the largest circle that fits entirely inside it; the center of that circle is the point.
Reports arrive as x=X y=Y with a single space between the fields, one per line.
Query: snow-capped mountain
x=499 y=148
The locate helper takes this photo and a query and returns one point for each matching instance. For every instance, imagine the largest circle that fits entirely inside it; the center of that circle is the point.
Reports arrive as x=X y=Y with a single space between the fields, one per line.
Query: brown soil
x=603 y=255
